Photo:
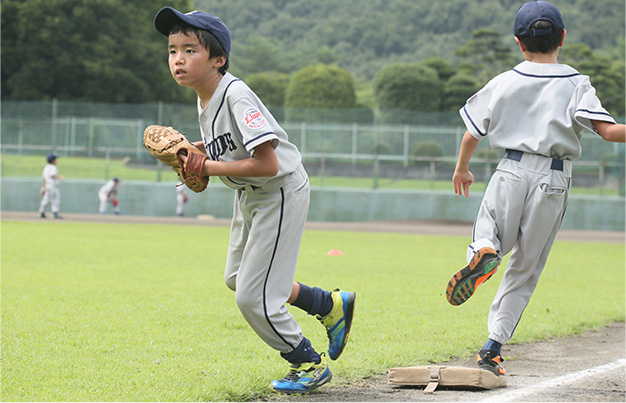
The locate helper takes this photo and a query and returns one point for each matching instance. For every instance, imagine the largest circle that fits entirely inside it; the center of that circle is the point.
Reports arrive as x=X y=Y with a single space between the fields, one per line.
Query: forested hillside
x=409 y=55
x=362 y=36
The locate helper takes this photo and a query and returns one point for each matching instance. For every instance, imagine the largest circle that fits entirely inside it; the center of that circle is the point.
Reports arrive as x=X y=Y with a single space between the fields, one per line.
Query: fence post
x=20 y=137
x=406 y=151
x=459 y=137
x=140 y=125
x=355 y=134
x=90 y=145
x=106 y=165
x=376 y=161
x=303 y=137
x=322 y=169
x=72 y=134
x=432 y=173
x=54 y=122
x=601 y=177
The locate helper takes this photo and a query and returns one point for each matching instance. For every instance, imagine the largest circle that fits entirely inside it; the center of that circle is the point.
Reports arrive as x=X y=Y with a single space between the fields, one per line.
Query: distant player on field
x=50 y=188
x=108 y=193
x=252 y=154
x=537 y=113
x=181 y=200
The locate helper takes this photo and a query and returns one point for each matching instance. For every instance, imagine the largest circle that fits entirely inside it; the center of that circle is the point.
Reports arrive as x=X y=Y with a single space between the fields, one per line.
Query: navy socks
x=303 y=353
x=493 y=345
x=314 y=300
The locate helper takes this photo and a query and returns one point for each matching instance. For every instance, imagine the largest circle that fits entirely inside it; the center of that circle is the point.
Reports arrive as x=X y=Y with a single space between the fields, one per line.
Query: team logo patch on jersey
x=254 y=118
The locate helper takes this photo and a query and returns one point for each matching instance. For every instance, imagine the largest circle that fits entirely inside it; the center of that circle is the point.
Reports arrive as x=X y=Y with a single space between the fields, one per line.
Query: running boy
x=536 y=112
x=251 y=153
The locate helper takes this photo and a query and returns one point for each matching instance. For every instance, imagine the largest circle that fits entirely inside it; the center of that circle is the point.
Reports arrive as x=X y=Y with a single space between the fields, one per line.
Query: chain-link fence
x=333 y=143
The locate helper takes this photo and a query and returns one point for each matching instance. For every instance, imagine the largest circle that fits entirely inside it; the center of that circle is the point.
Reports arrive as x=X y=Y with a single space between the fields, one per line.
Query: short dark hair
x=207 y=40
x=542 y=44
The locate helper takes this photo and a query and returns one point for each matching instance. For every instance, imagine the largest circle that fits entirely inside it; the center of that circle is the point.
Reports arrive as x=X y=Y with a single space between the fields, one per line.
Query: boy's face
x=189 y=61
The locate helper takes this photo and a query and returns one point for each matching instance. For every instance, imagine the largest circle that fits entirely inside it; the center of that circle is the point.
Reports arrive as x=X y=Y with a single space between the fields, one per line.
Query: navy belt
x=515 y=155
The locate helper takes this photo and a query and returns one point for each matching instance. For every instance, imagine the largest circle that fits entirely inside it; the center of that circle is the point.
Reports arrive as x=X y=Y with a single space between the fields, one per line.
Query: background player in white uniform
x=50 y=188
x=252 y=154
x=181 y=200
x=108 y=193
x=537 y=113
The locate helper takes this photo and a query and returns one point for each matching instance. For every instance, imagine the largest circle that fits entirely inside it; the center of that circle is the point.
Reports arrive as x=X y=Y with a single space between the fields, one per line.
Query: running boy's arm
x=463 y=178
x=610 y=131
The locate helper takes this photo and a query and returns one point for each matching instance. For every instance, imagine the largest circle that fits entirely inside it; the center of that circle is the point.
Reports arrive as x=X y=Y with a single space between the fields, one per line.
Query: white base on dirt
x=455 y=377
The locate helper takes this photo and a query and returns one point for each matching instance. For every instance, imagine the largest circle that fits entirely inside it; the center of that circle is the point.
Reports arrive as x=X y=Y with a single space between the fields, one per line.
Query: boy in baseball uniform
x=536 y=112
x=50 y=188
x=108 y=193
x=252 y=154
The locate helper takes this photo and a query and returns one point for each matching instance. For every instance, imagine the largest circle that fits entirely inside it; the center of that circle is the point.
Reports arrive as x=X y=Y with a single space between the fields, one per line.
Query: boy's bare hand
x=462 y=181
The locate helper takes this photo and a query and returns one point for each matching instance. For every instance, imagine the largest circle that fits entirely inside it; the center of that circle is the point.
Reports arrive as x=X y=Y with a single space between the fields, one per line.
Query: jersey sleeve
x=252 y=124
x=588 y=107
x=476 y=113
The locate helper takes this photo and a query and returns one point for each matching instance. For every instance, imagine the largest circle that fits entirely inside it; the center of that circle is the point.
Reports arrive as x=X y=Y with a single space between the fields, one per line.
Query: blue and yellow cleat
x=338 y=321
x=303 y=378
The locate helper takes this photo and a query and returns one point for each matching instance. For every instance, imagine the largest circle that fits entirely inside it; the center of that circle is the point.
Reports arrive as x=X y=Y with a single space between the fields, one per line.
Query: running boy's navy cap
x=534 y=11
x=51 y=157
x=167 y=17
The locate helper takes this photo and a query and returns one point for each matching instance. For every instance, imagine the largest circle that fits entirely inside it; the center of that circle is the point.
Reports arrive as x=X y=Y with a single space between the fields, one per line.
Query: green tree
x=261 y=54
x=86 y=50
x=443 y=67
x=321 y=87
x=321 y=93
x=270 y=86
x=485 y=55
x=407 y=86
x=457 y=90
x=606 y=75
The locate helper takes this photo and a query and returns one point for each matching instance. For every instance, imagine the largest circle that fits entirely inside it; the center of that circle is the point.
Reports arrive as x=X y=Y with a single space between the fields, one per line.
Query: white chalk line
x=554 y=382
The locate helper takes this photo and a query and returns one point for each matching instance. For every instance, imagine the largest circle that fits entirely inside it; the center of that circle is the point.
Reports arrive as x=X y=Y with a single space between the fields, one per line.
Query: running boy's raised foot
x=480 y=269
x=339 y=321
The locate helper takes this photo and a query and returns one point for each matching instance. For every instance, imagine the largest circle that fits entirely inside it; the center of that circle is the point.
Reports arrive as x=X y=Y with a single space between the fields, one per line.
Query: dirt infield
x=401 y=227
x=583 y=368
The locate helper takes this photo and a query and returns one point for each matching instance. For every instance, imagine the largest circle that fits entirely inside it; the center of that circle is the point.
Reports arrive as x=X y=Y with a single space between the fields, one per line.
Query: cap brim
x=166 y=18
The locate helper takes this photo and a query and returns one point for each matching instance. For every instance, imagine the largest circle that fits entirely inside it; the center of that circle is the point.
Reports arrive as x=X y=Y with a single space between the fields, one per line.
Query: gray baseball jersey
x=537 y=112
x=537 y=108
x=51 y=194
x=234 y=122
x=269 y=214
x=107 y=193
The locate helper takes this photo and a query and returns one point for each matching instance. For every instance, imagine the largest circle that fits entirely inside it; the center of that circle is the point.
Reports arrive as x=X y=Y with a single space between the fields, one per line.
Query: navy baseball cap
x=51 y=157
x=167 y=17
x=534 y=11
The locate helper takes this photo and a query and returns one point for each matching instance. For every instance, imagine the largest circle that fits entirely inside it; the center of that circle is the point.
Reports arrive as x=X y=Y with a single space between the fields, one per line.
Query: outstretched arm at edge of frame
x=613 y=132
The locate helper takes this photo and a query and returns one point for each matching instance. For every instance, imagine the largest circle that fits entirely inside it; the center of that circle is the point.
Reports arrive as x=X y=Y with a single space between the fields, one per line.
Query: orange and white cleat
x=464 y=282
x=490 y=360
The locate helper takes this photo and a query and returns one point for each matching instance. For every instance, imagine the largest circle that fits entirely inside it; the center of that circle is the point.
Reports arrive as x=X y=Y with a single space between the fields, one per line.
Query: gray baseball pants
x=521 y=213
x=265 y=235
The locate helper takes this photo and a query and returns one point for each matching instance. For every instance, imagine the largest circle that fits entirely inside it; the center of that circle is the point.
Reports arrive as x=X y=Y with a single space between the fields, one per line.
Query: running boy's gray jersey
x=536 y=108
x=234 y=122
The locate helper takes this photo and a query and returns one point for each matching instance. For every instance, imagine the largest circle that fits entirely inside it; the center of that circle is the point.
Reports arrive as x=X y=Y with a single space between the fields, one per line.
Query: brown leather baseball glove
x=167 y=145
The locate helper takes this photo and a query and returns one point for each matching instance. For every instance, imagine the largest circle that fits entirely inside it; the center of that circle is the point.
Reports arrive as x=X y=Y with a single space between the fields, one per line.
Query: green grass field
x=116 y=312
x=97 y=168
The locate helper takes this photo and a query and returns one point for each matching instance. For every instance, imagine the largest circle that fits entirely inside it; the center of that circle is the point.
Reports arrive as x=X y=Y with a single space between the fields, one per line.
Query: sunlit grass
x=116 y=312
